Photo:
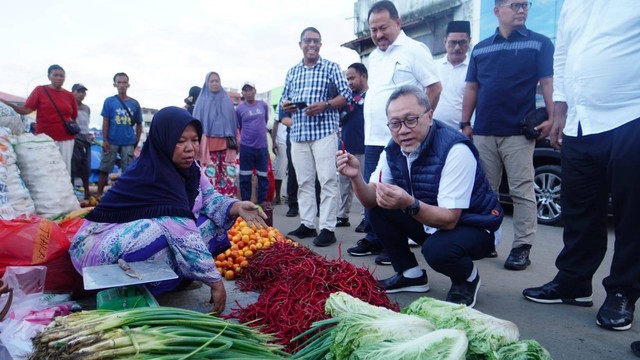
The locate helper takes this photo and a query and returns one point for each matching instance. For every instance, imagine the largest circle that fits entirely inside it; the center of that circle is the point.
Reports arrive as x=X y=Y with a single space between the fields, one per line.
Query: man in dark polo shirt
x=504 y=71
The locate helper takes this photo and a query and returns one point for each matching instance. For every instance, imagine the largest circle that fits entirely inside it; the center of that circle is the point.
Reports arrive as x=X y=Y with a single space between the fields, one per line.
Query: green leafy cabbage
x=485 y=333
x=523 y=350
x=446 y=344
x=362 y=324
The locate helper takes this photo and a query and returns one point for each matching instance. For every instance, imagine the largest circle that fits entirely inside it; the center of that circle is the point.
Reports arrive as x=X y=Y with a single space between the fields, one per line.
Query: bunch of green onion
x=151 y=333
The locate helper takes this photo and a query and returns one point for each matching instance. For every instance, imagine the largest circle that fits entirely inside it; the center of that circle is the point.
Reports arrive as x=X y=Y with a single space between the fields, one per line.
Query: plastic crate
x=125 y=297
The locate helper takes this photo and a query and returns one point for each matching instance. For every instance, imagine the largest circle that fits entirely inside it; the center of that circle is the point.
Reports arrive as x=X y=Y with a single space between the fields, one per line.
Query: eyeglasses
x=309 y=41
x=517 y=6
x=410 y=122
x=461 y=43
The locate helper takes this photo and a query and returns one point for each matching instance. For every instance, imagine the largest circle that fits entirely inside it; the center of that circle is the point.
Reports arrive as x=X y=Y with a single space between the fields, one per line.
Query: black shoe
x=292 y=212
x=325 y=238
x=616 y=313
x=550 y=293
x=635 y=347
x=360 y=227
x=464 y=293
x=342 y=222
x=383 y=258
x=303 y=232
x=399 y=283
x=364 y=248
x=493 y=253
x=518 y=258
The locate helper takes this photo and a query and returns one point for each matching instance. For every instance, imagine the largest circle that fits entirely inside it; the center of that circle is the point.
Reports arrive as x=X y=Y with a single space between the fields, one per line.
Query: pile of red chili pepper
x=294 y=283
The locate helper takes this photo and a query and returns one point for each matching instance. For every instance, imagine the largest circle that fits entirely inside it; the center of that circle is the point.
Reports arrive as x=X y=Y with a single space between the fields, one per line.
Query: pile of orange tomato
x=245 y=241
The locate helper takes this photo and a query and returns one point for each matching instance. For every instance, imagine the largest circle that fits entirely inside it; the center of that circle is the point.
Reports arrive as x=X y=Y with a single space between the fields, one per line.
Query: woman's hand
x=218 y=297
x=250 y=213
x=22 y=110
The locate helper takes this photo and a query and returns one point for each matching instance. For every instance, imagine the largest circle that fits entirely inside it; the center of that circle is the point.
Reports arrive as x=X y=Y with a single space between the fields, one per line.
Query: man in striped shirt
x=314 y=91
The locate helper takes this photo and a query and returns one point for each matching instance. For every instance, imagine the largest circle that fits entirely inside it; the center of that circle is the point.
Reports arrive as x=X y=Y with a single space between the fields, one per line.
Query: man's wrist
x=413 y=208
x=464 y=124
x=327 y=105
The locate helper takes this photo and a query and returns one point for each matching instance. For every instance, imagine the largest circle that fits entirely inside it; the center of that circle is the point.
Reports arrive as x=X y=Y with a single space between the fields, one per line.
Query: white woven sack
x=10 y=119
x=45 y=174
x=18 y=194
x=6 y=211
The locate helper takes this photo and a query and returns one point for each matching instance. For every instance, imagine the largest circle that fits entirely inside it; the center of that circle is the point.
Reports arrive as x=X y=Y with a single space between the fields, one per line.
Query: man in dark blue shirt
x=504 y=71
x=352 y=134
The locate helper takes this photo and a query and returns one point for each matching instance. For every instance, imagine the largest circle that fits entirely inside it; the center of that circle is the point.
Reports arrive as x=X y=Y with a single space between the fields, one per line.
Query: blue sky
x=165 y=46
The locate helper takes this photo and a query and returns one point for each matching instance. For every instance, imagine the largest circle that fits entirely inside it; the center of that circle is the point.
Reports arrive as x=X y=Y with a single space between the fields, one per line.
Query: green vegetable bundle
x=428 y=329
x=151 y=333
x=359 y=330
x=523 y=350
x=486 y=333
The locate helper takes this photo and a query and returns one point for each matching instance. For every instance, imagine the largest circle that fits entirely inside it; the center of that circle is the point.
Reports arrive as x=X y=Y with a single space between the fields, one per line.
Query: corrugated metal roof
x=12 y=98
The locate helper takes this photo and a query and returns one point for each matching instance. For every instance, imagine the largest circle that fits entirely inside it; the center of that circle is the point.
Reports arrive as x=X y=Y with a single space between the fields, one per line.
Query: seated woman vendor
x=162 y=209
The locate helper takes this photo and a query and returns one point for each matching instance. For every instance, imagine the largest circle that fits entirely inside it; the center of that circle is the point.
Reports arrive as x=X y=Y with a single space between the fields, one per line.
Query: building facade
x=426 y=21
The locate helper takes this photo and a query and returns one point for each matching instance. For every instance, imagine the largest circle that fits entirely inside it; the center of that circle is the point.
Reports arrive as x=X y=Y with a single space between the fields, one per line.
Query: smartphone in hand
x=300 y=105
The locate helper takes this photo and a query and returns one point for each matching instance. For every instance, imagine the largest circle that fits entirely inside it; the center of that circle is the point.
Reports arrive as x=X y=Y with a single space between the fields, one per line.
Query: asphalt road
x=568 y=332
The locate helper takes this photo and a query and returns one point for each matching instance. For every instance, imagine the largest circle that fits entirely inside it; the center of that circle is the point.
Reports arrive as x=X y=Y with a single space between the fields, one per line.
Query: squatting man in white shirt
x=433 y=191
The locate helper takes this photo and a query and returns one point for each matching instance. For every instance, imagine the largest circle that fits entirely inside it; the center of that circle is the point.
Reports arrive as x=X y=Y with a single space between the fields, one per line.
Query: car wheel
x=547 y=184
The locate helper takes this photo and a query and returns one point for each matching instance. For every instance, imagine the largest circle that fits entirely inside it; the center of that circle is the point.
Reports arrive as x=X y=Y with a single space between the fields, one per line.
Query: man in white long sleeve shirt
x=597 y=126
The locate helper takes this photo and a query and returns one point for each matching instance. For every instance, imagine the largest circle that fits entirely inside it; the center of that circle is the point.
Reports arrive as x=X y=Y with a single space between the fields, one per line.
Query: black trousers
x=292 y=180
x=450 y=252
x=371 y=158
x=593 y=167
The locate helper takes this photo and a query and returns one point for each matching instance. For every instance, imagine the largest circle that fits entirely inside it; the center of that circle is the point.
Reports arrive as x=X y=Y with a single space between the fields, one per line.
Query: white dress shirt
x=405 y=62
x=597 y=64
x=449 y=108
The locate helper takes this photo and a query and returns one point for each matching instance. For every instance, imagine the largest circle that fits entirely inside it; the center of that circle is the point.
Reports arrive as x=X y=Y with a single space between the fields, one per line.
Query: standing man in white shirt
x=597 y=126
x=398 y=60
x=453 y=71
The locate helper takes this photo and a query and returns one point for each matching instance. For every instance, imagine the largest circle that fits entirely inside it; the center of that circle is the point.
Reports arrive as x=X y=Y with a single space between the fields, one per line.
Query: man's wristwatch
x=327 y=105
x=464 y=124
x=413 y=208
